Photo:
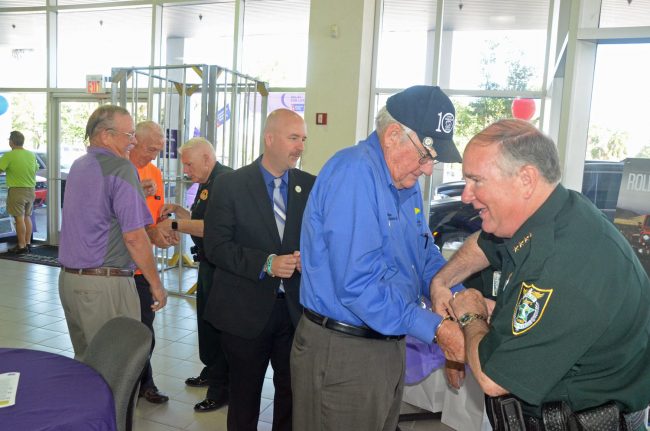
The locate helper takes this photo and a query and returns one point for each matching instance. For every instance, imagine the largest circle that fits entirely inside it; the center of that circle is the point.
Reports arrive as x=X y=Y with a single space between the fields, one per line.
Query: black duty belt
x=505 y=414
x=346 y=328
x=105 y=271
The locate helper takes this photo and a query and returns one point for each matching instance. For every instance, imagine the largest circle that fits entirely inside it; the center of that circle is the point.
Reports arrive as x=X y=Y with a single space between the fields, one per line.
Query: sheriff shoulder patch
x=530 y=307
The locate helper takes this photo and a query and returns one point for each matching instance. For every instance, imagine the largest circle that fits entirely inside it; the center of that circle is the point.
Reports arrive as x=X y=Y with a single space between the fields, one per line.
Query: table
x=426 y=387
x=55 y=393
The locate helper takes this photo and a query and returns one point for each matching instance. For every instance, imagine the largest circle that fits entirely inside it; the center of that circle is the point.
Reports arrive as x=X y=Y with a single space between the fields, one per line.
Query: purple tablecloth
x=421 y=360
x=55 y=393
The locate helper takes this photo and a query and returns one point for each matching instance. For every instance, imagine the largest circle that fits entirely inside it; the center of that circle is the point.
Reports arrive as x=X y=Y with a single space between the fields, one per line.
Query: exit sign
x=94 y=84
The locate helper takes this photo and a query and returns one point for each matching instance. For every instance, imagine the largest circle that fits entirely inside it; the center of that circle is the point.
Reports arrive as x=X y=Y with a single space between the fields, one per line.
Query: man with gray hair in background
x=201 y=166
x=150 y=141
x=367 y=259
x=103 y=237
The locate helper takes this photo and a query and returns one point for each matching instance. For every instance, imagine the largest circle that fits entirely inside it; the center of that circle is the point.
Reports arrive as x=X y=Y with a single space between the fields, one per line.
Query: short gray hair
x=197 y=142
x=521 y=144
x=384 y=119
x=103 y=118
x=148 y=127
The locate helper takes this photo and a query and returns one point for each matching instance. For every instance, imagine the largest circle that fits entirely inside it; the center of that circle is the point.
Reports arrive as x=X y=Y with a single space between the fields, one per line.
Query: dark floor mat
x=41 y=254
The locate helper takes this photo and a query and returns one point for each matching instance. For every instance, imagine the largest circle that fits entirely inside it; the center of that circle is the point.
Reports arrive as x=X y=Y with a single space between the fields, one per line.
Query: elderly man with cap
x=367 y=259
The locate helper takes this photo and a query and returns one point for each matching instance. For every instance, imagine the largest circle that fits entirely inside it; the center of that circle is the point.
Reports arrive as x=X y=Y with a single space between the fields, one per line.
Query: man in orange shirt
x=150 y=141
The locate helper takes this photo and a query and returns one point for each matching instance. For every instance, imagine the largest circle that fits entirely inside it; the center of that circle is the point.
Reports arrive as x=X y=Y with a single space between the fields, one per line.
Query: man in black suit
x=201 y=166
x=252 y=235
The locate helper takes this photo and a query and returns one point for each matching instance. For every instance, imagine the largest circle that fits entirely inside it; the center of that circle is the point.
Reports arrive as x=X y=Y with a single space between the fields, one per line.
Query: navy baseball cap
x=428 y=112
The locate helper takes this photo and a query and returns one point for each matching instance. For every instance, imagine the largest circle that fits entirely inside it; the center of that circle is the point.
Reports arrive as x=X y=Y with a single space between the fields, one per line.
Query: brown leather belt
x=105 y=271
x=346 y=328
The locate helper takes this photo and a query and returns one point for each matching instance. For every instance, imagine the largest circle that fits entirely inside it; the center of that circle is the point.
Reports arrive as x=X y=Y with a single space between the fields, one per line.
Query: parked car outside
x=41 y=182
x=7 y=229
x=42 y=157
x=642 y=241
x=40 y=192
x=451 y=221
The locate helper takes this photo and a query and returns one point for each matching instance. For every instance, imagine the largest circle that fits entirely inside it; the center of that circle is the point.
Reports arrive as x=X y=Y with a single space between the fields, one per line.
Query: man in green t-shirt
x=20 y=165
x=568 y=337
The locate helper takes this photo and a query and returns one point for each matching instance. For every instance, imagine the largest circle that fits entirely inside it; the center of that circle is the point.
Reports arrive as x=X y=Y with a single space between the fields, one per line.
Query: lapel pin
x=298 y=189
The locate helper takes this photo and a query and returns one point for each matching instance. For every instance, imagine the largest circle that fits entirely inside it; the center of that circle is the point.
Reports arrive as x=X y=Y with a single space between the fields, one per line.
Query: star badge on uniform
x=530 y=307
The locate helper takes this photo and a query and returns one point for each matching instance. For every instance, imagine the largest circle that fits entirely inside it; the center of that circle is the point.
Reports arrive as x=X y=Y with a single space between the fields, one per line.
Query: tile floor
x=31 y=317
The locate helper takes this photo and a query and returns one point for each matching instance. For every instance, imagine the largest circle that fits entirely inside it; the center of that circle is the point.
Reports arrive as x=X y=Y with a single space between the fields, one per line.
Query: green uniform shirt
x=572 y=318
x=21 y=167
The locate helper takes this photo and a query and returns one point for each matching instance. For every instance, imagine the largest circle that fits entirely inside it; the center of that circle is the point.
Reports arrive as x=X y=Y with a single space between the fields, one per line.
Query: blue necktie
x=280 y=213
x=278 y=207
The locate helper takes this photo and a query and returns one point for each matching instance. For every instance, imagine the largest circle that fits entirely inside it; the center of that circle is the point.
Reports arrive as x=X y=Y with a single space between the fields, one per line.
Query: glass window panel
x=497 y=59
x=93 y=42
x=83 y=2
x=26 y=112
x=203 y=33
x=276 y=36
x=406 y=26
x=23 y=54
x=619 y=104
x=22 y=3
x=619 y=13
x=496 y=46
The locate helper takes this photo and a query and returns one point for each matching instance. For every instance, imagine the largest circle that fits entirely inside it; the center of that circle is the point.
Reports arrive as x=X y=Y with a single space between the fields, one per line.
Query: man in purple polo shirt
x=103 y=235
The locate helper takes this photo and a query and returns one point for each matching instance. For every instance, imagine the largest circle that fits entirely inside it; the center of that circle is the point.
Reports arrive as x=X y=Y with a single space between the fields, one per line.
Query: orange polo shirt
x=151 y=172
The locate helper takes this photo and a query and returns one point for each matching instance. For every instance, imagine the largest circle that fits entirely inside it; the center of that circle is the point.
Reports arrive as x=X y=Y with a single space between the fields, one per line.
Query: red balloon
x=524 y=109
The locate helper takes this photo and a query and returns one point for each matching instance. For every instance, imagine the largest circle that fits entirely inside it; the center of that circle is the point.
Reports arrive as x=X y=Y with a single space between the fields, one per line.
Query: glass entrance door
x=68 y=127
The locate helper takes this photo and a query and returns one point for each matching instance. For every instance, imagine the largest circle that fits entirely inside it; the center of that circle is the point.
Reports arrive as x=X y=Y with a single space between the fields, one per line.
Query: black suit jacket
x=239 y=234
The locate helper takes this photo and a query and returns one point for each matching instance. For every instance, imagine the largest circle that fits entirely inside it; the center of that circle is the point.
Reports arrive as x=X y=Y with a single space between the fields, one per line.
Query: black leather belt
x=105 y=271
x=346 y=328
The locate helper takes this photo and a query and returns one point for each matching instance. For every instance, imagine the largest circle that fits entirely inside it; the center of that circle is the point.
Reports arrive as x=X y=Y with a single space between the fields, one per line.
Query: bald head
x=150 y=141
x=285 y=134
x=198 y=158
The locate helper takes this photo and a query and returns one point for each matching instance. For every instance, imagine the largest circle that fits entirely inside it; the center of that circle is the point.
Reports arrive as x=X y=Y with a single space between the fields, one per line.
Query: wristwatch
x=174 y=225
x=468 y=318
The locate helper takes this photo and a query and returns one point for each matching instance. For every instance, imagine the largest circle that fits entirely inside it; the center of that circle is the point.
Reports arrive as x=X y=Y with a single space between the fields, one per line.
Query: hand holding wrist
x=435 y=333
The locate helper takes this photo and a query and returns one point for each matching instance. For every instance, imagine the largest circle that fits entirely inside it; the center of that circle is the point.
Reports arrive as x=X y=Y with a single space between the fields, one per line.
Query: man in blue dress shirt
x=368 y=257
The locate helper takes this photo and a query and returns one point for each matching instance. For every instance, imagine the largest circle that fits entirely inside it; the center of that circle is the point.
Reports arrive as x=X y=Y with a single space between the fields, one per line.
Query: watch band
x=468 y=318
x=174 y=225
x=435 y=333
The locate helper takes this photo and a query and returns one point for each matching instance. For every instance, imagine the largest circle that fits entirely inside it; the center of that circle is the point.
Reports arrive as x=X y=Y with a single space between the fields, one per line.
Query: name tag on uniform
x=496 y=279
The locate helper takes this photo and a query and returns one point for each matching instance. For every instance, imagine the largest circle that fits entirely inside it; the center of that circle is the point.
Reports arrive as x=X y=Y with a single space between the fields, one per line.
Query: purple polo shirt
x=103 y=199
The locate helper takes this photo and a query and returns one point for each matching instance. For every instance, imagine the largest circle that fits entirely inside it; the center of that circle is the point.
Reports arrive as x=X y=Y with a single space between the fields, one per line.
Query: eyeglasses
x=131 y=135
x=425 y=157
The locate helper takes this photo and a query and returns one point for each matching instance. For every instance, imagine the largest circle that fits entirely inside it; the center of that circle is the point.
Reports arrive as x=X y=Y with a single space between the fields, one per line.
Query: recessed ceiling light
x=502 y=19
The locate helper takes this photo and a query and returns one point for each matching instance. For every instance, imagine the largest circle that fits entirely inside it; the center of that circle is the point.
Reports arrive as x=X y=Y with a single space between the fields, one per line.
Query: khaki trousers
x=89 y=301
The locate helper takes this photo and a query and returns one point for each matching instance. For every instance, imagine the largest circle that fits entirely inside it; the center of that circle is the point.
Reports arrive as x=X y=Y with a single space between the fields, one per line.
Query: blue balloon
x=4 y=105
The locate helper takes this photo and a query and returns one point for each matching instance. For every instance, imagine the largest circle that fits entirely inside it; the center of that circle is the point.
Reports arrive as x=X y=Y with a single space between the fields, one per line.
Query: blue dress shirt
x=367 y=252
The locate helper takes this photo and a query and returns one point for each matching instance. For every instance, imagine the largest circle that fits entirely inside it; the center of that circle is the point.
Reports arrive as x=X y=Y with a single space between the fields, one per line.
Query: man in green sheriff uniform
x=571 y=321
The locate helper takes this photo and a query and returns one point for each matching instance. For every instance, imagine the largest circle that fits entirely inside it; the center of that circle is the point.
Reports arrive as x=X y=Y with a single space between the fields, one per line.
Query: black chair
x=119 y=352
